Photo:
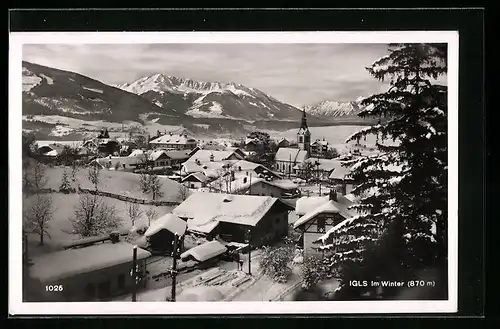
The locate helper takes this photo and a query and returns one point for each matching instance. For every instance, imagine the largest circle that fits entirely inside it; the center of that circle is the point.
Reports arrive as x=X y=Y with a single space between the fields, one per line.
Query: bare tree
x=93 y=217
x=155 y=186
x=134 y=211
x=183 y=193
x=39 y=177
x=151 y=214
x=75 y=165
x=144 y=182
x=37 y=213
x=93 y=174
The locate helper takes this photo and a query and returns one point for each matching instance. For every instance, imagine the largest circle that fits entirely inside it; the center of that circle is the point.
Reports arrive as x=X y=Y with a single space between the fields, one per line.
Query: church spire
x=303 y=124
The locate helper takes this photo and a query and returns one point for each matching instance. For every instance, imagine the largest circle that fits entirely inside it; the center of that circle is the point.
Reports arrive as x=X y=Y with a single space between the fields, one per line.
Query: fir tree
x=402 y=222
x=65 y=186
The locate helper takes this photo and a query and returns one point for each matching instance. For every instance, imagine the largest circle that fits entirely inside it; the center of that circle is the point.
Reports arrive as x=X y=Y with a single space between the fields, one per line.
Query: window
x=121 y=281
x=320 y=223
x=192 y=185
x=104 y=290
x=90 y=291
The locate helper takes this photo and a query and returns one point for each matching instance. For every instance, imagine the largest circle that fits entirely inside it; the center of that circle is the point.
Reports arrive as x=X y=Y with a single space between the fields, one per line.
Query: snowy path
x=265 y=289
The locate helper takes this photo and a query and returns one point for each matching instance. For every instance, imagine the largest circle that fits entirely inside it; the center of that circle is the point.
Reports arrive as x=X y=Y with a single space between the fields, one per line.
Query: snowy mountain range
x=49 y=91
x=334 y=109
x=201 y=99
x=205 y=107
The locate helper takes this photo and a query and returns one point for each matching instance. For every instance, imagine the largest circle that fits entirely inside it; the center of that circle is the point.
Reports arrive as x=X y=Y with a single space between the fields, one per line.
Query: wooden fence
x=128 y=199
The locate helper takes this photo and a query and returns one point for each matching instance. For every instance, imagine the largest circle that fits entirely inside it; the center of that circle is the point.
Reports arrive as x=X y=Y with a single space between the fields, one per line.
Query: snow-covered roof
x=247 y=165
x=328 y=207
x=207 y=167
x=155 y=155
x=173 y=139
x=204 y=207
x=290 y=154
x=71 y=262
x=320 y=142
x=199 y=176
x=285 y=184
x=203 y=156
x=205 y=251
x=339 y=171
x=204 y=228
x=136 y=153
x=306 y=204
x=177 y=155
x=120 y=160
x=168 y=222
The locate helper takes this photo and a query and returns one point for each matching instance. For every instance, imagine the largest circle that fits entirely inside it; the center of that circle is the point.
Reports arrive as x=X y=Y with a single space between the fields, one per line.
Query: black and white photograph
x=288 y=172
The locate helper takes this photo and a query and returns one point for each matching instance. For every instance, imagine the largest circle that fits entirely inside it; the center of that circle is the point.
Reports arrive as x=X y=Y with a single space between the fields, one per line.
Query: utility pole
x=134 y=274
x=289 y=166
x=174 y=267
x=250 y=185
x=249 y=236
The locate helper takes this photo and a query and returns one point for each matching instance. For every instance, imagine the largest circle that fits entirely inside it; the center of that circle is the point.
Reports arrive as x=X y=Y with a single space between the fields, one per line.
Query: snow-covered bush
x=313 y=270
x=274 y=262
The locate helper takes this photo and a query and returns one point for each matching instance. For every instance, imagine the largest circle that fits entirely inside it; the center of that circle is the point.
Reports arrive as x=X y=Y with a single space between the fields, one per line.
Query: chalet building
x=316 y=215
x=211 y=163
x=195 y=180
x=51 y=150
x=172 y=141
x=96 y=272
x=235 y=218
x=283 y=143
x=282 y=188
x=256 y=169
x=319 y=149
x=161 y=232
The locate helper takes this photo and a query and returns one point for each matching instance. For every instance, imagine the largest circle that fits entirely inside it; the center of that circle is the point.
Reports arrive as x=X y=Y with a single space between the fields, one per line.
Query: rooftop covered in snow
x=328 y=207
x=176 y=139
x=168 y=222
x=205 y=251
x=290 y=154
x=203 y=207
x=72 y=262
x=204 y=156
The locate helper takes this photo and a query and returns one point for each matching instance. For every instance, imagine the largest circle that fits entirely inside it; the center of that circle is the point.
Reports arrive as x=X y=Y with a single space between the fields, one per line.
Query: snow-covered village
x=163 y=184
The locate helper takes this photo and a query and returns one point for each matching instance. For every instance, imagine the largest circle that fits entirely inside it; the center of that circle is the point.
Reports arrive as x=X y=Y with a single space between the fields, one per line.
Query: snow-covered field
x=78 y=123
x=63 y=207
x=118 y=182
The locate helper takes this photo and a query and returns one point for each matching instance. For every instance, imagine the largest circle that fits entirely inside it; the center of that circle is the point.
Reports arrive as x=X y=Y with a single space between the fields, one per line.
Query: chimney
x=333 y=195
x=211 y=157
x=343 y=189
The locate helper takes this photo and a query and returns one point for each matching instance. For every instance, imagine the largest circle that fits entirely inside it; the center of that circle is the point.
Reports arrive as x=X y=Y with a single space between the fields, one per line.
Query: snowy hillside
x=202 y=99
x=331 y=108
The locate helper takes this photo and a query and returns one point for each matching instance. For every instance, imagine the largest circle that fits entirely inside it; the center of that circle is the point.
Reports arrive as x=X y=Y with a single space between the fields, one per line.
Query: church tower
x=304 y=135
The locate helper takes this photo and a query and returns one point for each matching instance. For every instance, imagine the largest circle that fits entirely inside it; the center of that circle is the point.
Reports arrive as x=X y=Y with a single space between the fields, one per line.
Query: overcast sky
x=298 y=74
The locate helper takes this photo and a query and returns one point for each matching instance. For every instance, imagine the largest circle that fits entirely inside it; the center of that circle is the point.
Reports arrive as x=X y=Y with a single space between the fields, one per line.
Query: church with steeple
x=287 y=157
x=304 y=135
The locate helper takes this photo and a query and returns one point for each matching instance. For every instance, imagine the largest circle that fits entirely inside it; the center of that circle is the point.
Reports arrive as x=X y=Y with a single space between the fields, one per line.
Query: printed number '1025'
x=55 y=287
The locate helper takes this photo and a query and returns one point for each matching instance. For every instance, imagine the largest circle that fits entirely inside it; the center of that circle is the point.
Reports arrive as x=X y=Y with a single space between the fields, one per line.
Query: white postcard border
x=18 y=307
